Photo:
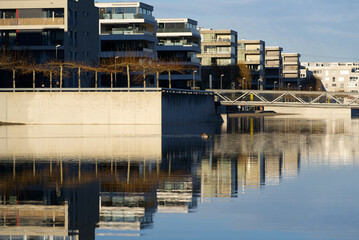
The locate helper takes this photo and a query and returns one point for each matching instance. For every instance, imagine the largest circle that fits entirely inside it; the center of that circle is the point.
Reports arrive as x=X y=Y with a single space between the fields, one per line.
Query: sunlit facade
x=127 y=29
x=336 y=76
x=273 y=67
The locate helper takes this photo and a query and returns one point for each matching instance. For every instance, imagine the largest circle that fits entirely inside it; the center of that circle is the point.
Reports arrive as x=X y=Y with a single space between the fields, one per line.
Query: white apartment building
x=218 y=57
x=252 y=54
x=273 y=67
x=218 y=47
x=127 y=29
x=291 y=69
x=179 y=40
x=336 y=76
x=63 y=29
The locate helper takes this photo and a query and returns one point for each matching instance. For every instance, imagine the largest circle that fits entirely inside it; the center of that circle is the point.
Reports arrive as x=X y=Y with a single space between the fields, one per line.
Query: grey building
x=180 y=41
x=63 y=29
x=127 y=29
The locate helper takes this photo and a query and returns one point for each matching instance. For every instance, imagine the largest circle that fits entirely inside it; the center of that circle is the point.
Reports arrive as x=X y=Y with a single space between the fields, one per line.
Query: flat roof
x=177 y=20
x=225 y=31
x=124 y=4
x=251 y=41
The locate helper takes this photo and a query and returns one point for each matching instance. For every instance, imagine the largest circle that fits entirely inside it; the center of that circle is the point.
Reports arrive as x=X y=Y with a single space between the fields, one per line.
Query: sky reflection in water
x=255 y=178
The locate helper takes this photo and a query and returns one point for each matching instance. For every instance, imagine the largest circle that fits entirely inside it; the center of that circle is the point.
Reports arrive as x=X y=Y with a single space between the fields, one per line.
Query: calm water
x=254 y=178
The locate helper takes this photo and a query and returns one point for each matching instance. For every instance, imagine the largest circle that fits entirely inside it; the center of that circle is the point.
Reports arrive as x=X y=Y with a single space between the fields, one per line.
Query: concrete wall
x=184 y=108
x=81 y=108
x=105 y=108
x=318 y=113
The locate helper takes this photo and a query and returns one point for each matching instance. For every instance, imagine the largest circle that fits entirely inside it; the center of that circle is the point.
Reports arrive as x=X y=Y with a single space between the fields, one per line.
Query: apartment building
x=273 y=67
x=291 y=69
x=218 y=57
x=336 y=76
x=127 y=29
x=62 y=29
x=180 y=41
x=251 y=53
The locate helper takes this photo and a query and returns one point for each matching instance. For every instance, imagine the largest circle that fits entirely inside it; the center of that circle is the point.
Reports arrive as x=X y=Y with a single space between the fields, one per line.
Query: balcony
x=180 y=43
x=31 y=21
x=120 y=16
x=125 y=31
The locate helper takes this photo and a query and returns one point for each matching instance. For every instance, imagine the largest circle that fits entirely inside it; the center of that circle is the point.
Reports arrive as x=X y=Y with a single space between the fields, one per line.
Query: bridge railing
x=287 y=98
x=164 y=90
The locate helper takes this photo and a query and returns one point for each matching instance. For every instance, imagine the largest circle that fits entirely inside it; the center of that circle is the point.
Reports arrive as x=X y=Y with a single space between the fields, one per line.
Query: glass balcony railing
x=170 y=30
x=31 y=21
x=126 y=16
x=125 y=31
x=181 y=43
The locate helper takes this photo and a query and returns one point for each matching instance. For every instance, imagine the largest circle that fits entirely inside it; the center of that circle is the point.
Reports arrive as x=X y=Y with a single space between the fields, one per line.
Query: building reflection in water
x=113 y=183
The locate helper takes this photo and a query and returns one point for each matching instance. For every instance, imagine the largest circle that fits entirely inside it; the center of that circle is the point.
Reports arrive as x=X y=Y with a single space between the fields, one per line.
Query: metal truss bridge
x=312 y=99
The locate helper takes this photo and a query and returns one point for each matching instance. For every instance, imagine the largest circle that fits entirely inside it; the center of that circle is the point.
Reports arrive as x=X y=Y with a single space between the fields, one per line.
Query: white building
x=335 y=76
x=252 y=54
x=179 y=40
x=273 y=67
x=127 y=29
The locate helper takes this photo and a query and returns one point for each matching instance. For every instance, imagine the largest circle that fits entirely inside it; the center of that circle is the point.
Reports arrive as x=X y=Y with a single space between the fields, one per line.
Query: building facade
x=127 y=29
x=180 y=41
x=218 y=58
x=291 y=69
x=273 y=67
x=49 y=30
x=336 y=76
x=251 y=53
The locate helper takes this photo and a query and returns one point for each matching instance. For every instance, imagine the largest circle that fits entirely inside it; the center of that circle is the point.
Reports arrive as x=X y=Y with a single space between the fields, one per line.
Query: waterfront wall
x=309 y=112
x=105 y=108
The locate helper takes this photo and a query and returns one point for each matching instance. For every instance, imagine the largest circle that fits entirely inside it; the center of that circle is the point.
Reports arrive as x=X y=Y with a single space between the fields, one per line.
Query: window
x=333 y=79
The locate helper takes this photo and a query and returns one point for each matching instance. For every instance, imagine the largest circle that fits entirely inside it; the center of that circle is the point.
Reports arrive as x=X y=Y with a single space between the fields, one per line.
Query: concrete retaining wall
x=105 y=108
x=312 y=112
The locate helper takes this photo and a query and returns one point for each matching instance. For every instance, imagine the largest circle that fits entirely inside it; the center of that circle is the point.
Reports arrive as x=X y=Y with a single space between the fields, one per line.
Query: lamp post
x=300 y=87
x=116 y=70
x=259 y=83
x=194 y=79
x=222 y=75
x=57 y=46
x=275 y=82
x=288 y=86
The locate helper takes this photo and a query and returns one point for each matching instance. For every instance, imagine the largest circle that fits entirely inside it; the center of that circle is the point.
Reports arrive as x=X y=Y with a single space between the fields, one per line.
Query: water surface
x=254 y=178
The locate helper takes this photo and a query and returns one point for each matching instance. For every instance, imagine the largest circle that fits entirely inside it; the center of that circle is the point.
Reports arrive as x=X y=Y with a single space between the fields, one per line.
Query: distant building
x=335 y=76
x=180 y=41
x=252 y=54
x=127 y=29
x=291 y=69
x=63 y=29
x=218 y=56
x=273 y=67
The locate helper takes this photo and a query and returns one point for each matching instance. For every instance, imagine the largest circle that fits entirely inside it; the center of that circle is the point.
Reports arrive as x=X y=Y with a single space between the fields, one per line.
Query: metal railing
x=164 y=90
x=287 y=98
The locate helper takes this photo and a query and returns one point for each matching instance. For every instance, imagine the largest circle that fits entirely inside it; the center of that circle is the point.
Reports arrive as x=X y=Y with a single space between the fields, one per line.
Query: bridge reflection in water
x=75 y=182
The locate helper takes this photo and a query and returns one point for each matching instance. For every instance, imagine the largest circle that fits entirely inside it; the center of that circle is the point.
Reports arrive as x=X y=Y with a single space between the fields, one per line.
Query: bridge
x=308 y=99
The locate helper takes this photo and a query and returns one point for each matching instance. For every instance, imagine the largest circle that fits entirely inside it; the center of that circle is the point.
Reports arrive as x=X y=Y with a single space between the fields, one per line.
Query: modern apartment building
x=273 y=67
x=336 y=76
x=127 y=29
x=179 y=40
x=291 y=69
x=252 y=54
x=218 y=56
x=62 y=29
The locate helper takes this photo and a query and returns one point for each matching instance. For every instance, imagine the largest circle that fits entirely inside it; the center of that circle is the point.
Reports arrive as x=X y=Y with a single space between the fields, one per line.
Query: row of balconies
x=31 y=21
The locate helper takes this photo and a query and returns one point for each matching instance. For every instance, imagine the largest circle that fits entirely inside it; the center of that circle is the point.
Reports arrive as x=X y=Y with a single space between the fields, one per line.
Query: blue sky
x=321 y=30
